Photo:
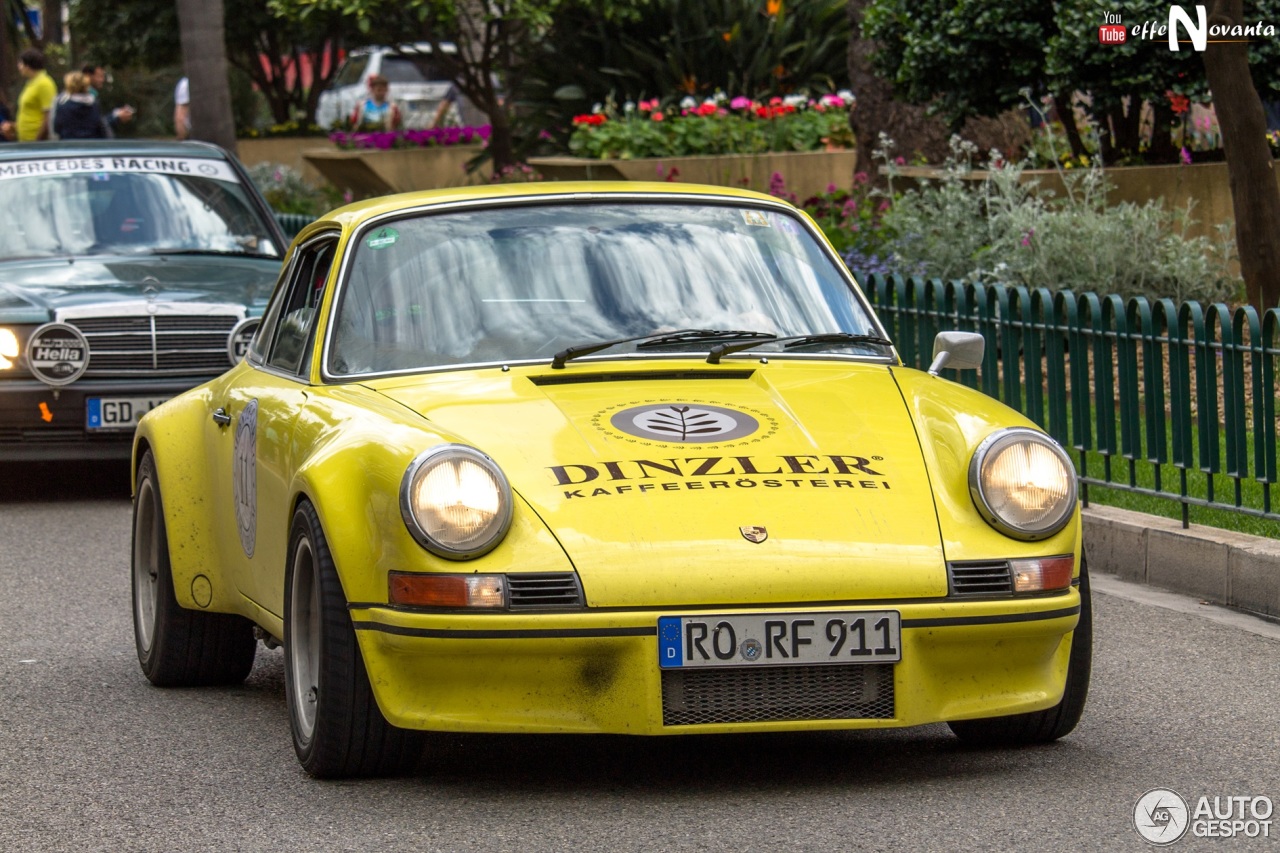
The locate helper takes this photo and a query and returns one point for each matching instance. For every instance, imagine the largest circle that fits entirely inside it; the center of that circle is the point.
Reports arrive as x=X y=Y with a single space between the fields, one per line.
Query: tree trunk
x=1062 y=102
x=876 y=112
x=51 y=22
x=1250 y=169
x=1162 y=150
x=204 y=58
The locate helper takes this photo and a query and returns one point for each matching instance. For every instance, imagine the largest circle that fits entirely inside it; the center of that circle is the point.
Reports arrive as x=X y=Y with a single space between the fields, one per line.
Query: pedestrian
x=376 y=112
x=8 y=130
x=97 y=75
x=76 y=115
x=182 y=109
x=36 y=100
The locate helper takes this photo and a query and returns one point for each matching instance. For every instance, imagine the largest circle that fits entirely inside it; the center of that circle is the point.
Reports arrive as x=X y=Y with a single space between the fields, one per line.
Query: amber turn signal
x=438 y=590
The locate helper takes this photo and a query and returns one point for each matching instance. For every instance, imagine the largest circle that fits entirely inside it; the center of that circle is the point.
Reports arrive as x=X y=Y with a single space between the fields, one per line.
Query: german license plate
x=776 y=639
x=105 y=413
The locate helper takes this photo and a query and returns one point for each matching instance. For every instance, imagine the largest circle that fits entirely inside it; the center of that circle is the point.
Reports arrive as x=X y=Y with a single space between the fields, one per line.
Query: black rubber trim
x=995 y=619
x=563 y=633
x=685 y=606
x=511 y=634
x=638 y=376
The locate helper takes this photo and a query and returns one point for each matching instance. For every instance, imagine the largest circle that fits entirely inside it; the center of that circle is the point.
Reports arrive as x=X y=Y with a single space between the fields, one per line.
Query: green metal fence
x=1176 y=401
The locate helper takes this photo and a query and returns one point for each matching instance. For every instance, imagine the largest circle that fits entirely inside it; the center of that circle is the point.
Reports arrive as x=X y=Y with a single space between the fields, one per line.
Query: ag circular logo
x=244 y=476
x=1161 y=816
x=688 y=423
x=57 y=354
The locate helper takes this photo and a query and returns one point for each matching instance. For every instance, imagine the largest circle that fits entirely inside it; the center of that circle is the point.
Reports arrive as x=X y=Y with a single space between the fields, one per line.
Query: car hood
x=795 y=482
x=33 y=291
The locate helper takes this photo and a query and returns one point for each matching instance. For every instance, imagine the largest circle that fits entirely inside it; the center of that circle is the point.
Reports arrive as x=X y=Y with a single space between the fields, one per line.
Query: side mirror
x=957 y=350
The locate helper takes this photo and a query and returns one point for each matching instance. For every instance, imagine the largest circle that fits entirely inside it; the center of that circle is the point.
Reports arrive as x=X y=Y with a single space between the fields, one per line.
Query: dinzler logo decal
x=694 y=473
x=684 y=422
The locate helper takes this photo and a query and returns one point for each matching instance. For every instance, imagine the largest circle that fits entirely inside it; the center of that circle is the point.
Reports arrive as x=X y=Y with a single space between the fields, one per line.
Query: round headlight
x=1023 y=483
x=455 y=501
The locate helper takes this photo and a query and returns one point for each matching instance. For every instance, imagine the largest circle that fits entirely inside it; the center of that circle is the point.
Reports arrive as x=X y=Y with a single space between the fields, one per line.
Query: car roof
x=359 y=212
x=110 y=148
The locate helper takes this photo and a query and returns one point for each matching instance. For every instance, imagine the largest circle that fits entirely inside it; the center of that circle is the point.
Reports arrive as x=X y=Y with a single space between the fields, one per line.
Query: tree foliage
x=975 y=58
x=270 y=51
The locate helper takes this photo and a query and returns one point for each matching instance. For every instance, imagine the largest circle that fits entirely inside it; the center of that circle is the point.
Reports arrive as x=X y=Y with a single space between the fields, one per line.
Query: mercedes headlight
x=1023 y=483
x=10 y=348
x=456 y=501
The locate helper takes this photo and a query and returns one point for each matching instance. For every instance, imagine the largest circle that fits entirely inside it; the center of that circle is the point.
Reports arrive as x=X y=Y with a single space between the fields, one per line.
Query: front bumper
x=40 y=423
x=598 y=672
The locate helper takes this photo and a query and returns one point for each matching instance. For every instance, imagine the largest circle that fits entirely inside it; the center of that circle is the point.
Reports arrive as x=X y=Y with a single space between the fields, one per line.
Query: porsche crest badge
x=754 y=534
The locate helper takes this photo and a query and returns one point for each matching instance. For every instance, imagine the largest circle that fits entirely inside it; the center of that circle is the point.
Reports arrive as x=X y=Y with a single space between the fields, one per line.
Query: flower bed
x=424 y=138
x=716 y=126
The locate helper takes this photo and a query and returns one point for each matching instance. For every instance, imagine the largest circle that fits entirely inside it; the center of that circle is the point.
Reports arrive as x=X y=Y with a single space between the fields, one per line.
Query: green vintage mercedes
x=129 y=272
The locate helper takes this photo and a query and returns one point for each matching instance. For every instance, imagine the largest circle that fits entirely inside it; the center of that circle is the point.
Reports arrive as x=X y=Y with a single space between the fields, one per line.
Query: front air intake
x=544 y=591
x=776 y=694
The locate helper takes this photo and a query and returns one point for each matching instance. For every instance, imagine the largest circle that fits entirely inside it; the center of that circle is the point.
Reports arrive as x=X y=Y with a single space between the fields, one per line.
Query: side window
x=295 y=318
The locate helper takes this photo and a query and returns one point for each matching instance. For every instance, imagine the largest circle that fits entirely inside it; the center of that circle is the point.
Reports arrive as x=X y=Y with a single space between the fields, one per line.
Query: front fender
x=352 y=476
x=951 y=421
x=174 y=433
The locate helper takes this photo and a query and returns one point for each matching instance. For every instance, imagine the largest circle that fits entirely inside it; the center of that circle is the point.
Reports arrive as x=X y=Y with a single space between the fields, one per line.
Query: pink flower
x=1186 y=157
x=831 y=188
x=657 y=116
x=860 y=178
x=900 y=161
x=1026 y=238
x=740 y=103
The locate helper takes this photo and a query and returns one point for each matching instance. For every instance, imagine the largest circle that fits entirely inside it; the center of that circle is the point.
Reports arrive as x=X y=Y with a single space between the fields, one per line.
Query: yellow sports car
x=596 y=457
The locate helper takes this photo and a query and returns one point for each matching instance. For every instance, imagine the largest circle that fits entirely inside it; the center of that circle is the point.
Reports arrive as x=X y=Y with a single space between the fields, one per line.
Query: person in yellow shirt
x=37 y=97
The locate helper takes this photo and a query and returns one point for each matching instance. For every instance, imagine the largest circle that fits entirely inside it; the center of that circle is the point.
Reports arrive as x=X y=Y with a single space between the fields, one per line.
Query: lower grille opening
x=777 y=694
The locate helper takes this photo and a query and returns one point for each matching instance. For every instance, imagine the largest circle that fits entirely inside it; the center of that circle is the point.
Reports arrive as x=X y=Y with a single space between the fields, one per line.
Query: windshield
x=105 y=205
x=522 y=283
x=409 y=69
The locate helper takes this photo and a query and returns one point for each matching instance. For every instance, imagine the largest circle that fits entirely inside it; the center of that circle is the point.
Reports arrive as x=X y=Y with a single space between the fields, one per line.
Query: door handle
x=220 y=417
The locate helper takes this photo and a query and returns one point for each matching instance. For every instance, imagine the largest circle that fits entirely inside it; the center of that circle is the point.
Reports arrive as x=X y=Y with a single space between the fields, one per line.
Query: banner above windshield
x=217 y=170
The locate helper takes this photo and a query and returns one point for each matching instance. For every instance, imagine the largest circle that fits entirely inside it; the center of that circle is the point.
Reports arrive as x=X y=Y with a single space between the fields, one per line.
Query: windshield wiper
x=218 y=252
x=696 y=335
x=655 y=339
x=718 y=352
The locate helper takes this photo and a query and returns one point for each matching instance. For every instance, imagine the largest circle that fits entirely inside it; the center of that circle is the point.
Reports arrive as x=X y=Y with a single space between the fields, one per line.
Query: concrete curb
x=1214 y=565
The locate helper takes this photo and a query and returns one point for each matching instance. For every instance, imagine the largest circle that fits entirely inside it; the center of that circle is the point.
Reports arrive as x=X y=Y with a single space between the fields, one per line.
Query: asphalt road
x=93 y=758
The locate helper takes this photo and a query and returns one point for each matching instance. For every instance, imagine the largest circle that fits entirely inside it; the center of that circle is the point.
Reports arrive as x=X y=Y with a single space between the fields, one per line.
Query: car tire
x=1051 y=723
x=338 y=729
x=177 y=647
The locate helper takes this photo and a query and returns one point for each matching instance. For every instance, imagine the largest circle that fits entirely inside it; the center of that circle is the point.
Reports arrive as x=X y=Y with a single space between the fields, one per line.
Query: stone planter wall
x=807 y=173
x=287 y=150
x=368 y=173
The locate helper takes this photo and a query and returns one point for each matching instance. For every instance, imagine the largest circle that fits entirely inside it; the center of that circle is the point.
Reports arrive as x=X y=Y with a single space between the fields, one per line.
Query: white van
x=417 y=86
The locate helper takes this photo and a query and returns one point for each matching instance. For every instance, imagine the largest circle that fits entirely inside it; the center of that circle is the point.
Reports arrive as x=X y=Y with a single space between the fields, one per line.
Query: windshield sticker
x=382 y=238
x=784 y=223
x=99 y=167
x=684 y=422
x=755 y=217
x=244 y=476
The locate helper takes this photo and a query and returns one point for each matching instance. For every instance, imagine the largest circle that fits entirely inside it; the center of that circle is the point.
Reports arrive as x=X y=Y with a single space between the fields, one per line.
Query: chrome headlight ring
x=456 y=502
x=1023 y=483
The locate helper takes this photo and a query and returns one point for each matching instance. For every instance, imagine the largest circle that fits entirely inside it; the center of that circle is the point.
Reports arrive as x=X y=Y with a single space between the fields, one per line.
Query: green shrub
x=1000 y=229
x=286 y=191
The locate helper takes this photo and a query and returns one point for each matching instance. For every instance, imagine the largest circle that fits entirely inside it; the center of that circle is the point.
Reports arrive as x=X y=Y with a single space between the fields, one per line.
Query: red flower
x=1178 y=103
x=707 y=110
